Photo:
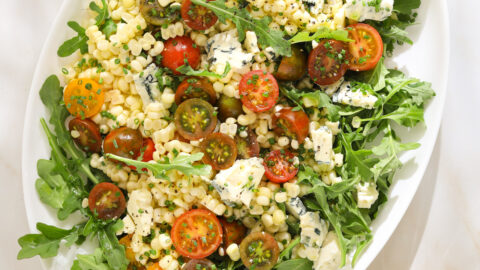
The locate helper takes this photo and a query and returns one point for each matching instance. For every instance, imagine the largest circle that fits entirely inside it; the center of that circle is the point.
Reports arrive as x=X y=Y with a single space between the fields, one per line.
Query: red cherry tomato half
x=89 y=138
x=124 y=142
x=195 y=119
x=259 y=90
x=280 y=166
x=106 y=200
x=179 y=49
x=146 y=152
x=195 y=88
x=327 y=62
x=292 y=123
x=219 y=151
x=233 y=232
x=197 y=17
x=196 y=234
x=366 y=48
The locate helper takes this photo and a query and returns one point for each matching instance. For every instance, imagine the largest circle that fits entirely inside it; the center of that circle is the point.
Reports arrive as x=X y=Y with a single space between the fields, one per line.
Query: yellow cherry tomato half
x=83 y=97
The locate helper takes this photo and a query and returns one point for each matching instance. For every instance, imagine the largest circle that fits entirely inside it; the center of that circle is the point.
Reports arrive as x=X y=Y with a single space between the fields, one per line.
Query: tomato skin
x=294 y=124
x=367 y=47
x=219 y=151
x=322 y=68
x=177 y=50
x=259 y=90
x=155 y=14
x=126 y=241
x=194 y=87
x=279 y=167
x=292 y=68
x=233 y=232
x=196 y=234
x=247 y=147
x=90 y=139
x=204 y=264
x=263 y=243
x=146 y=152
x=124 y=142
x=195 y=119
x=197 y=17
x=154 y=266
x=107 y=200
x=229 y=107
x=83 y=97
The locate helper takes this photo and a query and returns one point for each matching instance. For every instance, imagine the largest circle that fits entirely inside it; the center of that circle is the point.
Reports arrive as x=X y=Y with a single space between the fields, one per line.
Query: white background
x=441 y=229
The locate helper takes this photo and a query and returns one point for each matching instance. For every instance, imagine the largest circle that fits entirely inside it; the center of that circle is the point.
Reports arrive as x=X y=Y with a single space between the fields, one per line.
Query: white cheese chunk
x=225 y=47
x=332 y=88
x=314 y=229
x=128 y=225
x=140 y=209
x=235 y=184
x=250 y=42
x=322 y=139
x=314 y=6
x=270 y=54
x=147 y=85
x=354 y=97
x=367 y=194
x=295 y=207
x=360 y=10
x=330 y=256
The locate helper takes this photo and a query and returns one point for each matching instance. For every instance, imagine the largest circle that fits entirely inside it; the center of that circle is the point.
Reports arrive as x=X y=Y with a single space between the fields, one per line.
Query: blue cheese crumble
x=354 y=97
x=322 y=139
x=367 y=194
x=314 y=229
x=146 y=84
x=330 y=256
x=361 y=10
x=225 y=47
x=295 y=207
x=237 y=183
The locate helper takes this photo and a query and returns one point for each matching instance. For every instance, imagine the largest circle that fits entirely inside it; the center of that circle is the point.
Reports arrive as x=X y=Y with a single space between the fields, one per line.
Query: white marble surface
x=441 y=229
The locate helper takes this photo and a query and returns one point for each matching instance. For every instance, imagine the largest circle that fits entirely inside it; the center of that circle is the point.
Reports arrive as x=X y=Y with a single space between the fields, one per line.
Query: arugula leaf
x=37 y=244
x=321 y=100
x=182 y=163
x=189 y=71
x=321 y=33
x=114 y=252
x=375 y=77
x=293 y=227
x=316 y=99
x=109 y=28
x=295 y=264
x=51 y=187
x=408 y=115
x=76 y=43
x=51 y=95
x=406 y=6
x=102 y=20
x=356 y=158
x=390 y=146
x=418 y=90
x=102 y=12
x=287 y=252
x=94 y=261
x=244 y=22
x=47 y=243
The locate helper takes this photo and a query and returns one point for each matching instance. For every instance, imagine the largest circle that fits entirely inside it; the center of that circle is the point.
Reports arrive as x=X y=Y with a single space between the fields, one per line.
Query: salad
x=238 y=134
